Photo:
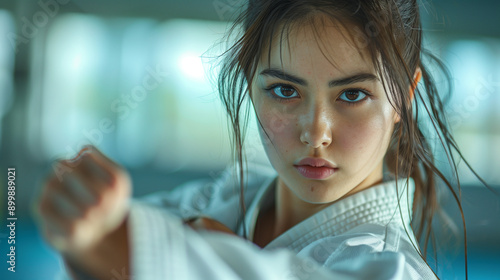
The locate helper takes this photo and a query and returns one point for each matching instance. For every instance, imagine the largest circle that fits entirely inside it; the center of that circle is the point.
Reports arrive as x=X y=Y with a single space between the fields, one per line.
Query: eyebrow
x=356 y=78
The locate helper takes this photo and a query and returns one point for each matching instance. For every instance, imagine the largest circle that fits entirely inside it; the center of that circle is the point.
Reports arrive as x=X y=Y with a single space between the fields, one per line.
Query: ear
x=416 y=79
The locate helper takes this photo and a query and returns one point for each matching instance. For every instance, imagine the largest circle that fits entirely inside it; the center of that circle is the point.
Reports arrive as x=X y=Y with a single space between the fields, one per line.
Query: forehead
x=318 y=46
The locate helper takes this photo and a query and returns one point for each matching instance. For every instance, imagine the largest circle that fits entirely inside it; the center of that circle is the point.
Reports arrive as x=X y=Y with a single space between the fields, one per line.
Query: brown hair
x=391 y=31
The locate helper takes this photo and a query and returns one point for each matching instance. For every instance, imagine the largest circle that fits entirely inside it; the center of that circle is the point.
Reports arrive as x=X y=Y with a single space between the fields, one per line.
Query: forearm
x=107 y=259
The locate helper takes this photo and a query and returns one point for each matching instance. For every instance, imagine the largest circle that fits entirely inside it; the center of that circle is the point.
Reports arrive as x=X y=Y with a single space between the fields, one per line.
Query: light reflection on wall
x=475 y=67
x=136 y=88
x=6 y=63
x=74 y=61
x=133 y=107
x=198 y=132
x=187 y=49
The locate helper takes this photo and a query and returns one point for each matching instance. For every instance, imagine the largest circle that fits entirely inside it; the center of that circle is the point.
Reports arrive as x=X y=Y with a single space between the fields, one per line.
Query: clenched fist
x=83 y=202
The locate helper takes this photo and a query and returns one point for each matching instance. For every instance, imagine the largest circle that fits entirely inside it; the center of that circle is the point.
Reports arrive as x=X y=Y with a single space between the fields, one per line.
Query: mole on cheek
x=312 y=188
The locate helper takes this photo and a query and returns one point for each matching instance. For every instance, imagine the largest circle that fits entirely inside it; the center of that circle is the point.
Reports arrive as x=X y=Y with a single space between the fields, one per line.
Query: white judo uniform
x=362 y=236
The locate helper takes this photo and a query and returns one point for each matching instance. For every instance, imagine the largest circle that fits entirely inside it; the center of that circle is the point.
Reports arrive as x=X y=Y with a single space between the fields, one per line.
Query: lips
x=315 y=168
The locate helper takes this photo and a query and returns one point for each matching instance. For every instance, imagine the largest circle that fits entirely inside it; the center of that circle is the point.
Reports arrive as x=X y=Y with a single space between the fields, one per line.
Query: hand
x=206 y=223
x=78 y=209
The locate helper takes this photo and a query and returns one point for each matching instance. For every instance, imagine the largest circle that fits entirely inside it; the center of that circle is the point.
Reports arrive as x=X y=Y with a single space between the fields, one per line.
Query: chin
x=318 y=193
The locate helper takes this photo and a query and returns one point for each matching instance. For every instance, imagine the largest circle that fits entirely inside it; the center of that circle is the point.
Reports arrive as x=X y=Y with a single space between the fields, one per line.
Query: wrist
x=109 y=255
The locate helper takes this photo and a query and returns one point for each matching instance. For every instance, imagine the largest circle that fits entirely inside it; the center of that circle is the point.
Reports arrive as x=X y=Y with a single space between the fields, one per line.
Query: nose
x=317 y=127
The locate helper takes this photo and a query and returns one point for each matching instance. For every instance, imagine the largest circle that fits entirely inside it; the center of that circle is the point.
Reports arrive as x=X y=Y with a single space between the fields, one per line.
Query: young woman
x=333 y=85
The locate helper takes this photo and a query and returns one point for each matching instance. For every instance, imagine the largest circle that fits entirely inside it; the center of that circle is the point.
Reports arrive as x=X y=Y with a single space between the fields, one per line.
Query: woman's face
x=323 y=100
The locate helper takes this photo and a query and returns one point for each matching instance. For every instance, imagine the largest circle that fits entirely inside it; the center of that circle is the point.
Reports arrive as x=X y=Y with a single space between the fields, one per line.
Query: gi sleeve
x=163 y=248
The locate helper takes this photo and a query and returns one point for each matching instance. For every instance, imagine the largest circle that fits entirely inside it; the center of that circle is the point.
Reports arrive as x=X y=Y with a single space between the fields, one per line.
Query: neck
x=291 y=210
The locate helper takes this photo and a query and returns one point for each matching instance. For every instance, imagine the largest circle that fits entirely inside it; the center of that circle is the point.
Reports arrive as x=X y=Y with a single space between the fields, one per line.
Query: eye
x=283 y=91
x=353 y=96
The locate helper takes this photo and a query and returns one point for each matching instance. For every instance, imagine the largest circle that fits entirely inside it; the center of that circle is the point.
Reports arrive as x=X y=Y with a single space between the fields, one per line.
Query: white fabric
x=360 y=237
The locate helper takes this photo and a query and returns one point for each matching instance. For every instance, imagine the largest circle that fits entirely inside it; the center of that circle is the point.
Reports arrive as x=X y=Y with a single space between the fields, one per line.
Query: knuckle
x=113 y=178
x=88 y=147
x=69 y=229
x=43 y=207
x=70 y=164
x=49 y=181
x=63 y=163
x=86 y=213
x=122 y=176
x=86 y=163
x=50 y=186
x=86 y=155
x=116 y=179
x=99 y=200
x=57 y=162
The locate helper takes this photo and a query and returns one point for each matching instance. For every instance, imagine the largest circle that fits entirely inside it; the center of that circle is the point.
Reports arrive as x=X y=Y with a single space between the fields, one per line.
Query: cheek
x=279 y=125
x=364 y=136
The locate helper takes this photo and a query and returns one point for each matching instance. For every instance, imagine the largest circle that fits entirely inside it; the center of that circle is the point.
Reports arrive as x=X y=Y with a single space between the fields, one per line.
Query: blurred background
x=133 y=78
